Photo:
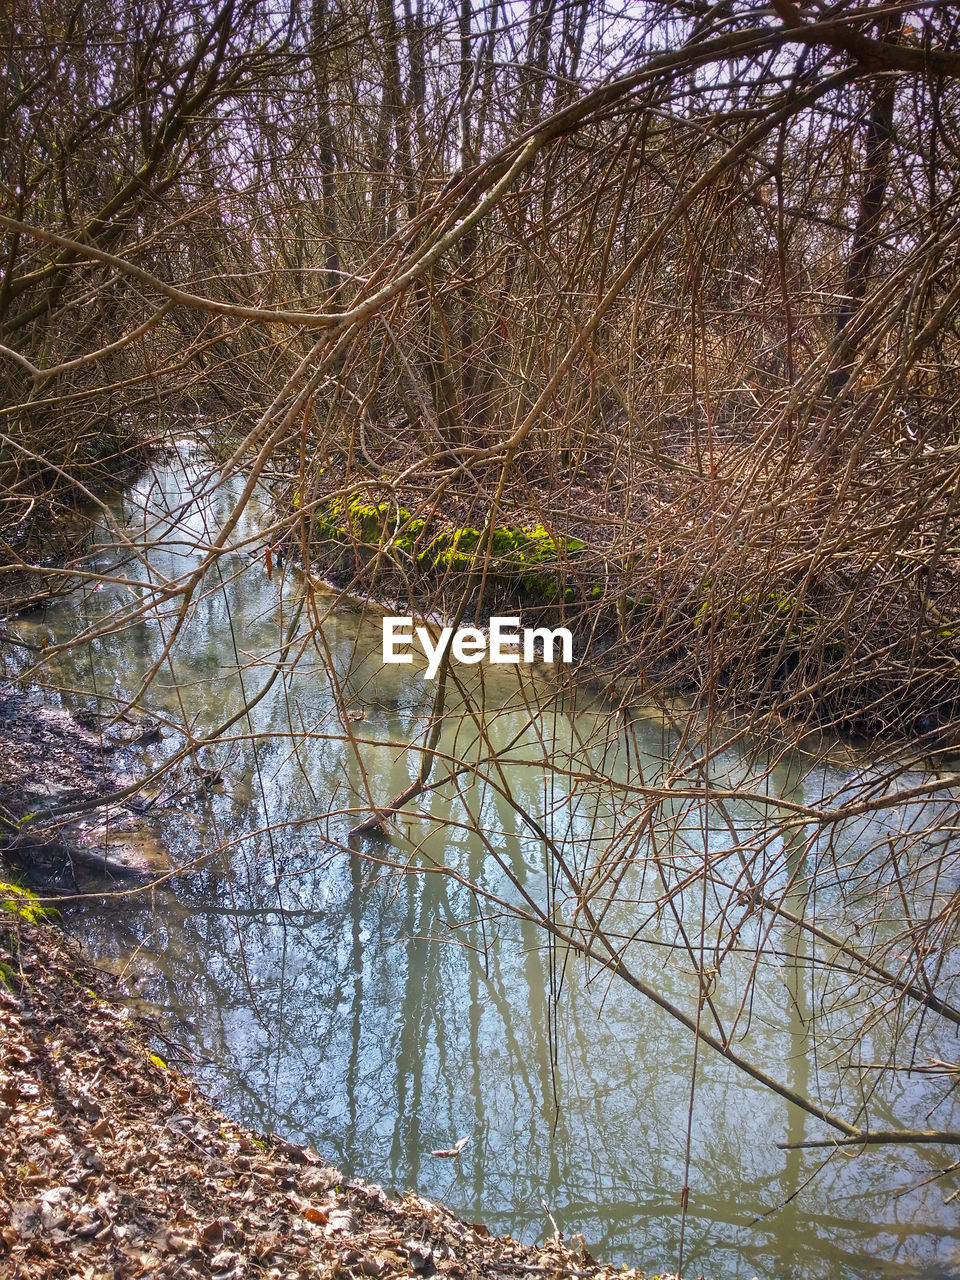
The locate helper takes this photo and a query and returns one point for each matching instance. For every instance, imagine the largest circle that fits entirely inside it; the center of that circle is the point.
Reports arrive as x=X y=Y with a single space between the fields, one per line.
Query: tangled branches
x=641 y=320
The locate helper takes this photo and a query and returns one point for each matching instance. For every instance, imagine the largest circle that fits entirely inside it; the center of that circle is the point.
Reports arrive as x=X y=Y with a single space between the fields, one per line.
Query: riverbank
x=114 y=1164
x=863 y=643
x=58 y=774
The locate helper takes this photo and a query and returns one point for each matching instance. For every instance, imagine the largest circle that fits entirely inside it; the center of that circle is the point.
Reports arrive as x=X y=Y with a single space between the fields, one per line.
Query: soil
x=56 y=770
x=114 y=1165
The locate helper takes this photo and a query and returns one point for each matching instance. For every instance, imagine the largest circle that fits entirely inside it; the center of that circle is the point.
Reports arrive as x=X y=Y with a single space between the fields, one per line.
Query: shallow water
x=365 y=1000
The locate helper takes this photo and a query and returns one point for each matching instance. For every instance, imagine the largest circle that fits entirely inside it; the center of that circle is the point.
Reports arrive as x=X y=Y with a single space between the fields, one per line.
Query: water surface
x=364 y=999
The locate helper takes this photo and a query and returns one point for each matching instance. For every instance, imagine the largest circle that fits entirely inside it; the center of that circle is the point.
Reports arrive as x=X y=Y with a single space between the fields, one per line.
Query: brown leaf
x=266 y=1244
x=25 y=1218
x=212 y=1232
x=449 y=1154
x=317 y=1181
x=174 y=1242
x=341 y=1220
x=420 y=1254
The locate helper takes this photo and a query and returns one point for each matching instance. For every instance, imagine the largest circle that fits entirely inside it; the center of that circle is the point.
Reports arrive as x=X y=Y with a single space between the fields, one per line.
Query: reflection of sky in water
x=381 y=1015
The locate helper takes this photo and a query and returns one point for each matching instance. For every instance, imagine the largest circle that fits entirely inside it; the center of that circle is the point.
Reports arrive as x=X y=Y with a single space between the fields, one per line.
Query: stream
x=363 y=999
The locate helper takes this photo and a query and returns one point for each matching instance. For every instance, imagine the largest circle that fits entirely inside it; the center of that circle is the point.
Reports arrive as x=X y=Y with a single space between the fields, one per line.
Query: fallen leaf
x=420 y=1254
x=25 y=1218
x=341 y=1220
x=448 y=1154
x=317 y=1181
x=212 y=1232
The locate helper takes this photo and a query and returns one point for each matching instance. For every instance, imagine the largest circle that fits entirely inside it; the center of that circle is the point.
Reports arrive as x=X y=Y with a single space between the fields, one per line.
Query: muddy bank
x=59 y=773
x=114 y=1165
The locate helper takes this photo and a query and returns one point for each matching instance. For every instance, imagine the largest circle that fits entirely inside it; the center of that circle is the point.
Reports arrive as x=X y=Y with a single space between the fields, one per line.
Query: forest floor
x=115 y=1166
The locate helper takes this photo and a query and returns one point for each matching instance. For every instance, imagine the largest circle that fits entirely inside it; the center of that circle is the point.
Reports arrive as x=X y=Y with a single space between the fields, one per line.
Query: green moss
x=540 y=584
x=328 y=519
x=466 y=539
x=511 y=550
x=434 y=549
x=407 y=537
x=637 y=604
x=777 y=614
x=527 y=556
x=443 y=553
x=504 y=541
x=17 y=901
x=833 y=651
x=373 y=523
x=368 y=521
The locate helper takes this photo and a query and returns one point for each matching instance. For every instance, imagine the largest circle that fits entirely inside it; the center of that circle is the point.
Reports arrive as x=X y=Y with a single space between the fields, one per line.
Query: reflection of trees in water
x=372 y=1018
x=375 y=1029
x=367 y=1021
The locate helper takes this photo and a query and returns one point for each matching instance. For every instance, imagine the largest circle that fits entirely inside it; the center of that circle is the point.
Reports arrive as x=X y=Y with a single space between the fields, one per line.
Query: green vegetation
x=678 y=279
x=531 y=558
x=17 y=901
x=778 y=616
